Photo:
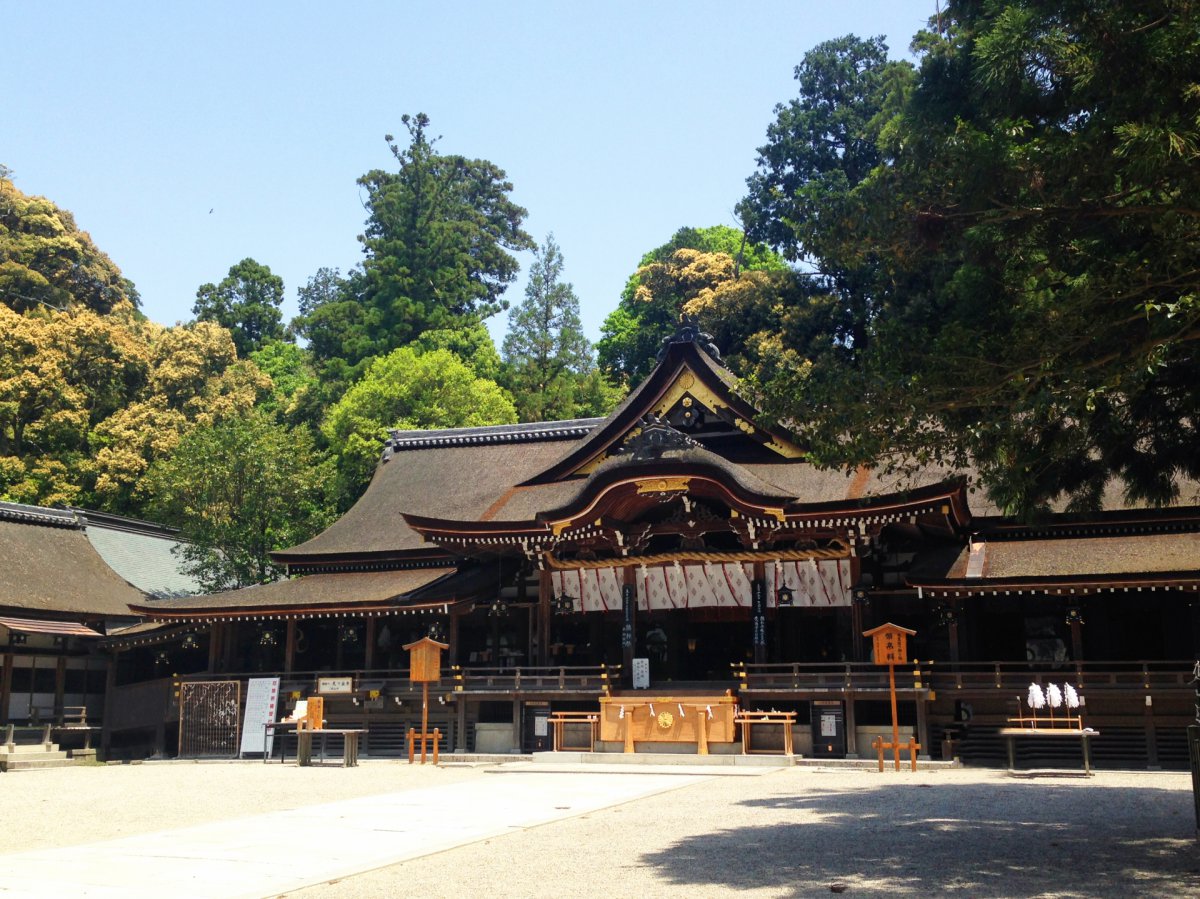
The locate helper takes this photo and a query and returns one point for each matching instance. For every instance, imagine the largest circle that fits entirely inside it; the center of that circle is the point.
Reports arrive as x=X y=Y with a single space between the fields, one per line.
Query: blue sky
x=617 y=122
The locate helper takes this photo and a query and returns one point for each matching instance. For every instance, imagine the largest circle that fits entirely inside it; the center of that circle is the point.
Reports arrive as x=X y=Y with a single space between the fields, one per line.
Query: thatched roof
x=342 y=592
x=48 y=566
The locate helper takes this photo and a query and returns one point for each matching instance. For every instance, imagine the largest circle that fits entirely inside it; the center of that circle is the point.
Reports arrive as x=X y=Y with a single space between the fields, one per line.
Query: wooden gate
x=208 y=719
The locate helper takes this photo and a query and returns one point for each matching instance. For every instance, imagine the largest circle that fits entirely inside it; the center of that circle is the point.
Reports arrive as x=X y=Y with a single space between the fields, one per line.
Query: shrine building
x=681 y=551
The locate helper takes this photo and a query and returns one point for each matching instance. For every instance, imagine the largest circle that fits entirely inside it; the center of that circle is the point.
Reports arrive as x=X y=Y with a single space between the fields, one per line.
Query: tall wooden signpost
x=891 y=649
x=424 y=668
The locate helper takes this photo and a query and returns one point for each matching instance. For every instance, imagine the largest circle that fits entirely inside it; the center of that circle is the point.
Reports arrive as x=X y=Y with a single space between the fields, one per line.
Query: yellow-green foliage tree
x=90 y=391
x=194 y=379
x=46 y=261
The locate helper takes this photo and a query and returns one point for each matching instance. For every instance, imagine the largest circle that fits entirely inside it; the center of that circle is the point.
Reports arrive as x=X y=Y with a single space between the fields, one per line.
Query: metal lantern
x=784 y=597
x=563 y=604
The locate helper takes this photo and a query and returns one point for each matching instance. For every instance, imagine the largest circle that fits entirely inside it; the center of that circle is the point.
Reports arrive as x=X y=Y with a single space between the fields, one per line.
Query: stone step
x=30 y=763
x=26 y=749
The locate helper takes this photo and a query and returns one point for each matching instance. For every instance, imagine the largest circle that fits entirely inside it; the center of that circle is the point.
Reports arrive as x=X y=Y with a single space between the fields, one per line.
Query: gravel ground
x=792 y=833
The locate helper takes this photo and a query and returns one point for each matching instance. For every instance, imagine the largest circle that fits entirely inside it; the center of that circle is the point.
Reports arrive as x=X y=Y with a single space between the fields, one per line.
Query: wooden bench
x=304 y=742
x=560 y=720
x=74 y=720
x=748 y=719
x=1084 y=734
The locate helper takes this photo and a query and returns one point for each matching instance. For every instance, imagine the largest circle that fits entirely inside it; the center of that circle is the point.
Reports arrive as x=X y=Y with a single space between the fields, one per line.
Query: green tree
x=820 y=147
x=547 y=356
x=438 y=249
x=295 y=387
x=667 y=278
x=1030 y=237
x=472 y=343
x=237 y=491
x=407 y=389
x=246 y=302
x=47 y=262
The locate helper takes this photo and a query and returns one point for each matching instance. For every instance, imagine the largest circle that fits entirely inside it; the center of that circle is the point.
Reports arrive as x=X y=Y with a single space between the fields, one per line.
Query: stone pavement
x=269 y=854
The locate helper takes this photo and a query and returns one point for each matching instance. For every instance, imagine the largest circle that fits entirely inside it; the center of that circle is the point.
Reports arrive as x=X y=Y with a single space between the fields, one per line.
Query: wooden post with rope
x=424 y=668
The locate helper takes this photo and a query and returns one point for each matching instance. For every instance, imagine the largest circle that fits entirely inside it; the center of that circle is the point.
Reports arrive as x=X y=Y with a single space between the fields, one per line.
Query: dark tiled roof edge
x=59 y=518
x=113 y=522
x=572 y=429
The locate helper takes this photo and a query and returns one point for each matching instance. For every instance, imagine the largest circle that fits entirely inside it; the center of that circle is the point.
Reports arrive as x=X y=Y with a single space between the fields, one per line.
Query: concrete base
x=663 y=759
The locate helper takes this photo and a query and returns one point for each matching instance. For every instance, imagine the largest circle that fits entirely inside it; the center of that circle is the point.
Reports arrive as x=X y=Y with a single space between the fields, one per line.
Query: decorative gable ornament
x=653 y=439
x=688 y=331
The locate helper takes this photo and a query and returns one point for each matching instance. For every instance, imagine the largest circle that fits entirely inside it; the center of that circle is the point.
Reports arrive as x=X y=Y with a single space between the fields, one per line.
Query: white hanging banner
x=814 y=584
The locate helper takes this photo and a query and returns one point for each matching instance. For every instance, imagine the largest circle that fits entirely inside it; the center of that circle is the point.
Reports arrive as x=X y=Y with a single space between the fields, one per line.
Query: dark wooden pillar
x=1076 y=638
x=216 y=636
x=545 y=594
x=628 y=624
x=289 y=646
x=758 y=612
x=452 y=639
x=6 y=673
x=460 y=736
x=369 y=646
x=229 y=641
x=952 y=633
x=60 y=685
x=851 y=727
x=858 y=646
x=110 y=689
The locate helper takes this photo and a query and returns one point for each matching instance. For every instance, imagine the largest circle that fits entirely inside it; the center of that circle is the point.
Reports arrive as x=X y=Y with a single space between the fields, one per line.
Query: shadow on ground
x=1019 y=839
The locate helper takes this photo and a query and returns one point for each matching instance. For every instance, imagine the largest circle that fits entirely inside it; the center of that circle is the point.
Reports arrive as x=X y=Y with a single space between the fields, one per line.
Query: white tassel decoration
x=681 y=714
x=1054 y=695
x=1071 y=695
x=622 y=713
x=1036 y=699
x=708 y=708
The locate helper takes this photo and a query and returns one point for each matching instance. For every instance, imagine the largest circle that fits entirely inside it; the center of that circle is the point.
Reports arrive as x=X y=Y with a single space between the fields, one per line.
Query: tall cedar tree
x=1030 y=235
x=246 y=302
x=437 y=240
x=548 y=357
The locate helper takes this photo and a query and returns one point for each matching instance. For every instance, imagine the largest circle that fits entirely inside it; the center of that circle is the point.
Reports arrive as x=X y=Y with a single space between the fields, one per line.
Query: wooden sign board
x=314 y=715
x=425 y=661
x=890 y=642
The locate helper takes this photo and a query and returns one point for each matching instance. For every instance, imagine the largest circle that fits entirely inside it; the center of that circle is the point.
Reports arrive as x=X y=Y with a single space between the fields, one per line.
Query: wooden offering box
x=698 y=720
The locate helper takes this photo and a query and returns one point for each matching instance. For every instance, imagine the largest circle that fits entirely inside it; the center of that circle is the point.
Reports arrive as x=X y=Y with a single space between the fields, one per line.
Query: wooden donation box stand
x=695 y=720
x=424 y=668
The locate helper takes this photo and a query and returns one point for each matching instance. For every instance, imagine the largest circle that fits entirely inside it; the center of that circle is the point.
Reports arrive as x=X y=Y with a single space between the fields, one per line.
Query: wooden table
x=747 y=719
x=1010 y=735
x=559 y=721
x=304 y=742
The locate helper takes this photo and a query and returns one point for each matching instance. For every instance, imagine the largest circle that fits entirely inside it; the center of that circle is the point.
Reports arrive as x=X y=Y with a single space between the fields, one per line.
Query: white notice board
x=641 y=674
x=262 y=700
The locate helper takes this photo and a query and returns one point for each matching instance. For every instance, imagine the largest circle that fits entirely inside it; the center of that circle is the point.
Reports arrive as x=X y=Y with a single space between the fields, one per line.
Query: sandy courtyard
x=789 y=833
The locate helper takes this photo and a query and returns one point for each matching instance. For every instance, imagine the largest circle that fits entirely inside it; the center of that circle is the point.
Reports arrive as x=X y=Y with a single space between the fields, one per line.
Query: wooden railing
x=395 y=682
x=1014 y=677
